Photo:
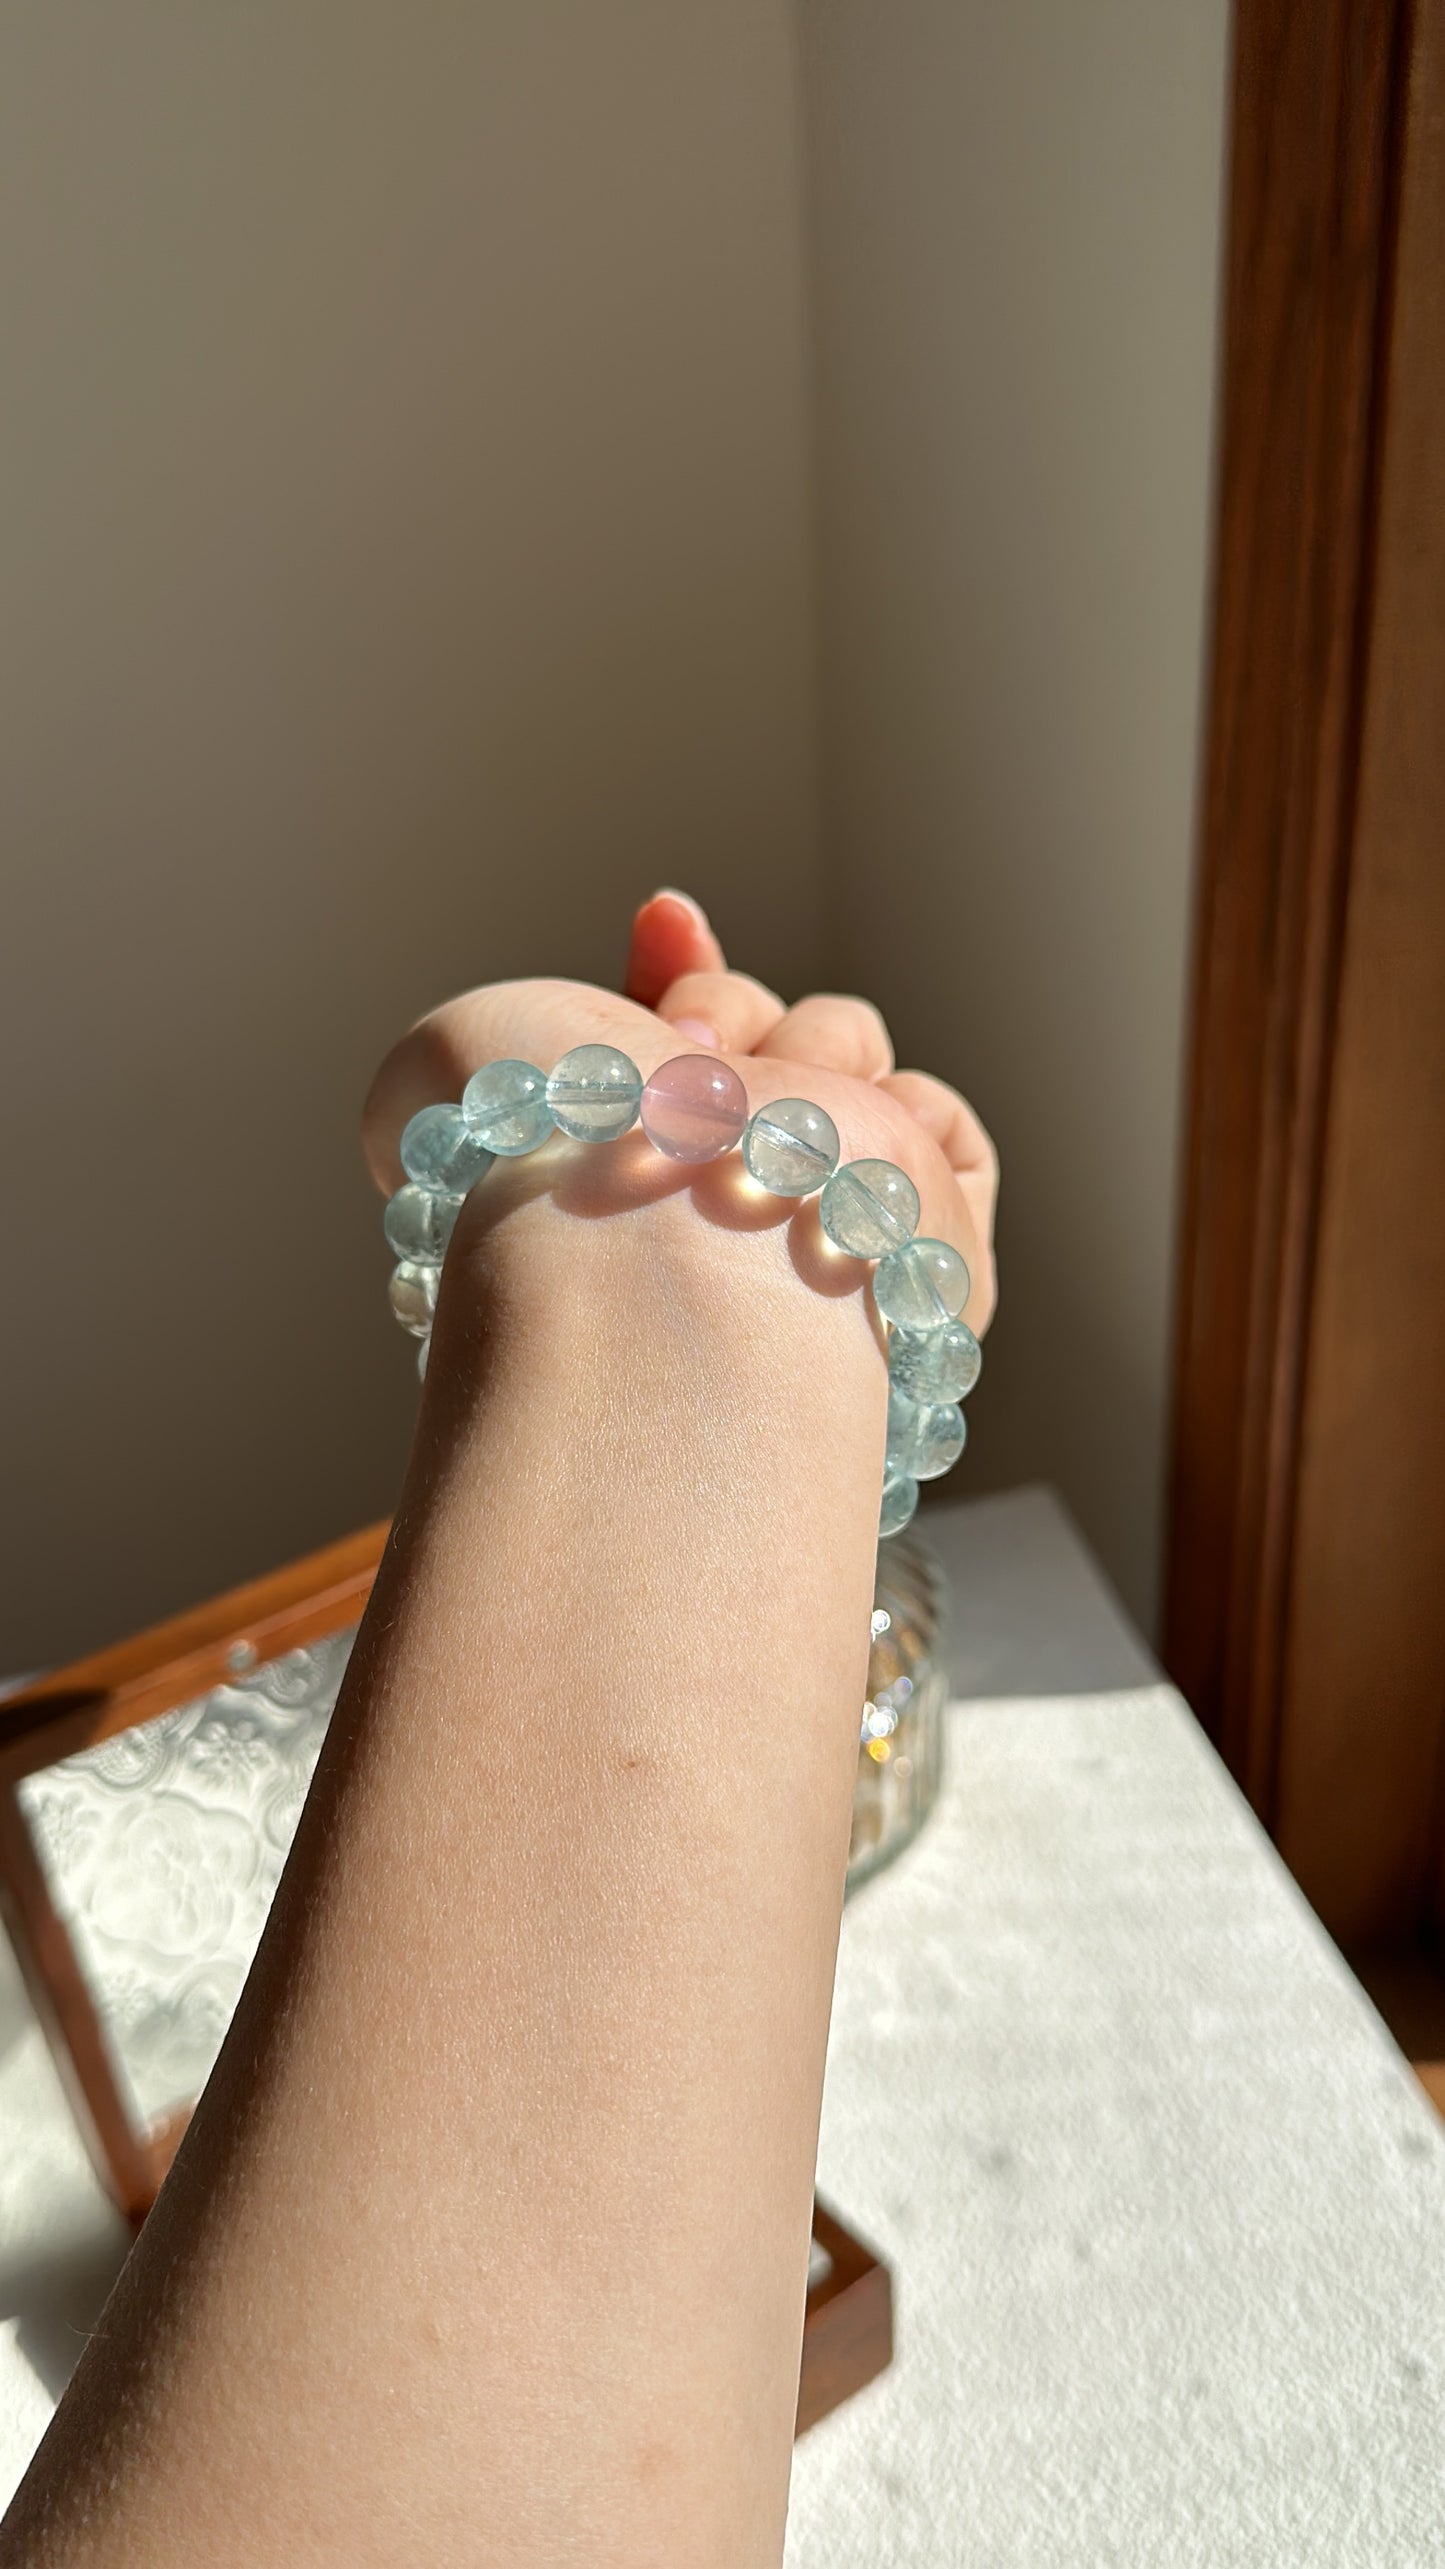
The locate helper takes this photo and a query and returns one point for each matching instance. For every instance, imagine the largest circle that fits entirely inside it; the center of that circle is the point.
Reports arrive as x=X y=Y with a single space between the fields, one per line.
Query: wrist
x=656 y=1281
x=668 y=1176
x=654 y=1380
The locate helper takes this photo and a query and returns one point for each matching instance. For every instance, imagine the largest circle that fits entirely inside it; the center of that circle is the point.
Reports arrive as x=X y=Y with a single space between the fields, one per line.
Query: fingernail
x=670 y=892
x=698 y=1031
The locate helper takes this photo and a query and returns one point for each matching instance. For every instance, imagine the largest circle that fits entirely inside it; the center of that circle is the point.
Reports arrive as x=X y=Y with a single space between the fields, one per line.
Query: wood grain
x=1362 y=1723
x=1310 y=263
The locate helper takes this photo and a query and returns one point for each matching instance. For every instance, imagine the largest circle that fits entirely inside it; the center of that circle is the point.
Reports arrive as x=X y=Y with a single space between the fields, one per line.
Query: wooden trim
x=1316 y=140
x=1431 y=2075
x=848 y=2327
x=1359 y=1813
x=120 y=2155
x=174 y=1662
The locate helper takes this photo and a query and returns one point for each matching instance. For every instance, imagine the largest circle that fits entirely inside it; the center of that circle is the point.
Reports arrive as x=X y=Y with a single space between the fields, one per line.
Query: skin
x=488 y=2240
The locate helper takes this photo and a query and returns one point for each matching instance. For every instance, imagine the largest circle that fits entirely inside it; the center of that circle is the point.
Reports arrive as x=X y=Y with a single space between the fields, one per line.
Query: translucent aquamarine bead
x=900 y=1498
x=921 y=1285
x=902 y=1421
x=869 y=1207
x=413 y=1291
x=791 y=1146
x=594 y=1093
x=419 y=1224
x=505 y=1104
x=422 y=1353
x=940 y=1364
x=694 y=1107
x=930 y=1442
x=439 y=1153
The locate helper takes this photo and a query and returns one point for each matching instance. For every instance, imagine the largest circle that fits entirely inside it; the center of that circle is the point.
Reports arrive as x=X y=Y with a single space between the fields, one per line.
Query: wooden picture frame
x=848 y=2322
x=91 y=1700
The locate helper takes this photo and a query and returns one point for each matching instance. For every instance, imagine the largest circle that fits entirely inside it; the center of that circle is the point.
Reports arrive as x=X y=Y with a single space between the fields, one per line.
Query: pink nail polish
x=697 y=1031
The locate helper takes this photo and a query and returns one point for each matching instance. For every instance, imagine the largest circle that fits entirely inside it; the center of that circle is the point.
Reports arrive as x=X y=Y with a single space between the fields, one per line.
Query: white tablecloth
x=1164 y=2206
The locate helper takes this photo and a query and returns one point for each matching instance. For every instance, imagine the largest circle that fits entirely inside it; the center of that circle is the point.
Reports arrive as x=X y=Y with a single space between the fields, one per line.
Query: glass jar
x=900 y=1749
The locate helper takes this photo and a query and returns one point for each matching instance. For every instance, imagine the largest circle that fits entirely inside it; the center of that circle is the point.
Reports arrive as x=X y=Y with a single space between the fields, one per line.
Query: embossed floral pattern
x=164 y=1847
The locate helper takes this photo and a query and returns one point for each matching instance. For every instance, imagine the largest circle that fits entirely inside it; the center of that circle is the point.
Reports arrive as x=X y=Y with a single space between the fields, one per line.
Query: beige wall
x=404 y=568
x=407 y=561
x=1014 y=220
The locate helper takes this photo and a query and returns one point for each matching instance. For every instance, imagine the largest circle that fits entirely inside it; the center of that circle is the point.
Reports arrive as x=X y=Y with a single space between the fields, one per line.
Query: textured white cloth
x=1165 y=2207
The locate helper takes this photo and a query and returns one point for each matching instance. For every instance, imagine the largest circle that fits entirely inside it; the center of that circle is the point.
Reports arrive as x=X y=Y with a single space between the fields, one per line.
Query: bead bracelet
x=694 y=1108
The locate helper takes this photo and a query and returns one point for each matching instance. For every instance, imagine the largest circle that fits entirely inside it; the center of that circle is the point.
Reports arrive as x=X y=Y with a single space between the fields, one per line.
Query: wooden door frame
x=1317 y=128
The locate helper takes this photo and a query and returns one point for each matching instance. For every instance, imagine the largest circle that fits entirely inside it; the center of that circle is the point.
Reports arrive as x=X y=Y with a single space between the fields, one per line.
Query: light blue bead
x=439 y=1153
x=939 y=1364
x=900 y=1498
x=594 y=1093
x=902 y=1420
x=413 y=1291
x=930 y=1442
x=791 y=1146
x=418 y=1225
x=869 y=1207
x=505 y=1104
x=922 y=1285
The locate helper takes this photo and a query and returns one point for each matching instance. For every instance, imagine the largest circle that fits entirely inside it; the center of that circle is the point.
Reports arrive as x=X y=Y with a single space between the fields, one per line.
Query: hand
x=834 y=1050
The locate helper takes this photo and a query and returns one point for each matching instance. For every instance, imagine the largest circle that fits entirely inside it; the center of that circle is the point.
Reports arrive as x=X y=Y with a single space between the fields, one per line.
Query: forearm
x=542 y=2010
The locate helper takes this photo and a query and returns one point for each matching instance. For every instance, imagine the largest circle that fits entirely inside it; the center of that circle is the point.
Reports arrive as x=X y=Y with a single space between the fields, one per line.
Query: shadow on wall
x=412 y=574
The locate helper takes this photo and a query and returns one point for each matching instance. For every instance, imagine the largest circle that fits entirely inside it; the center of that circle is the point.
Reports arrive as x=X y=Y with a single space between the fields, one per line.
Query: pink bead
x=694 y=1108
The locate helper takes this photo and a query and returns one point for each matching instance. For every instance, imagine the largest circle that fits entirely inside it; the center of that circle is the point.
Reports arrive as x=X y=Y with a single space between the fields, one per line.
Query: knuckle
x=861 y=1024
x=690 y=989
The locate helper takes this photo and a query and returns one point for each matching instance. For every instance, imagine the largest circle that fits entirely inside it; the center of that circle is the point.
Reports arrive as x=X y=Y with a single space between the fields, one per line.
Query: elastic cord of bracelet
x=694 y=1109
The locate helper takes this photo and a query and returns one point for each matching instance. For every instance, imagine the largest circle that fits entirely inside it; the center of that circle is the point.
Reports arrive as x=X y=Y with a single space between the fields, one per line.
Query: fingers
x=951 y=1123
x=676 y=966
x=835 y=1033
x=901 y=1116
x=670 y=937
x=728 y=1011
x=946 y=1117
x=527 y=1020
